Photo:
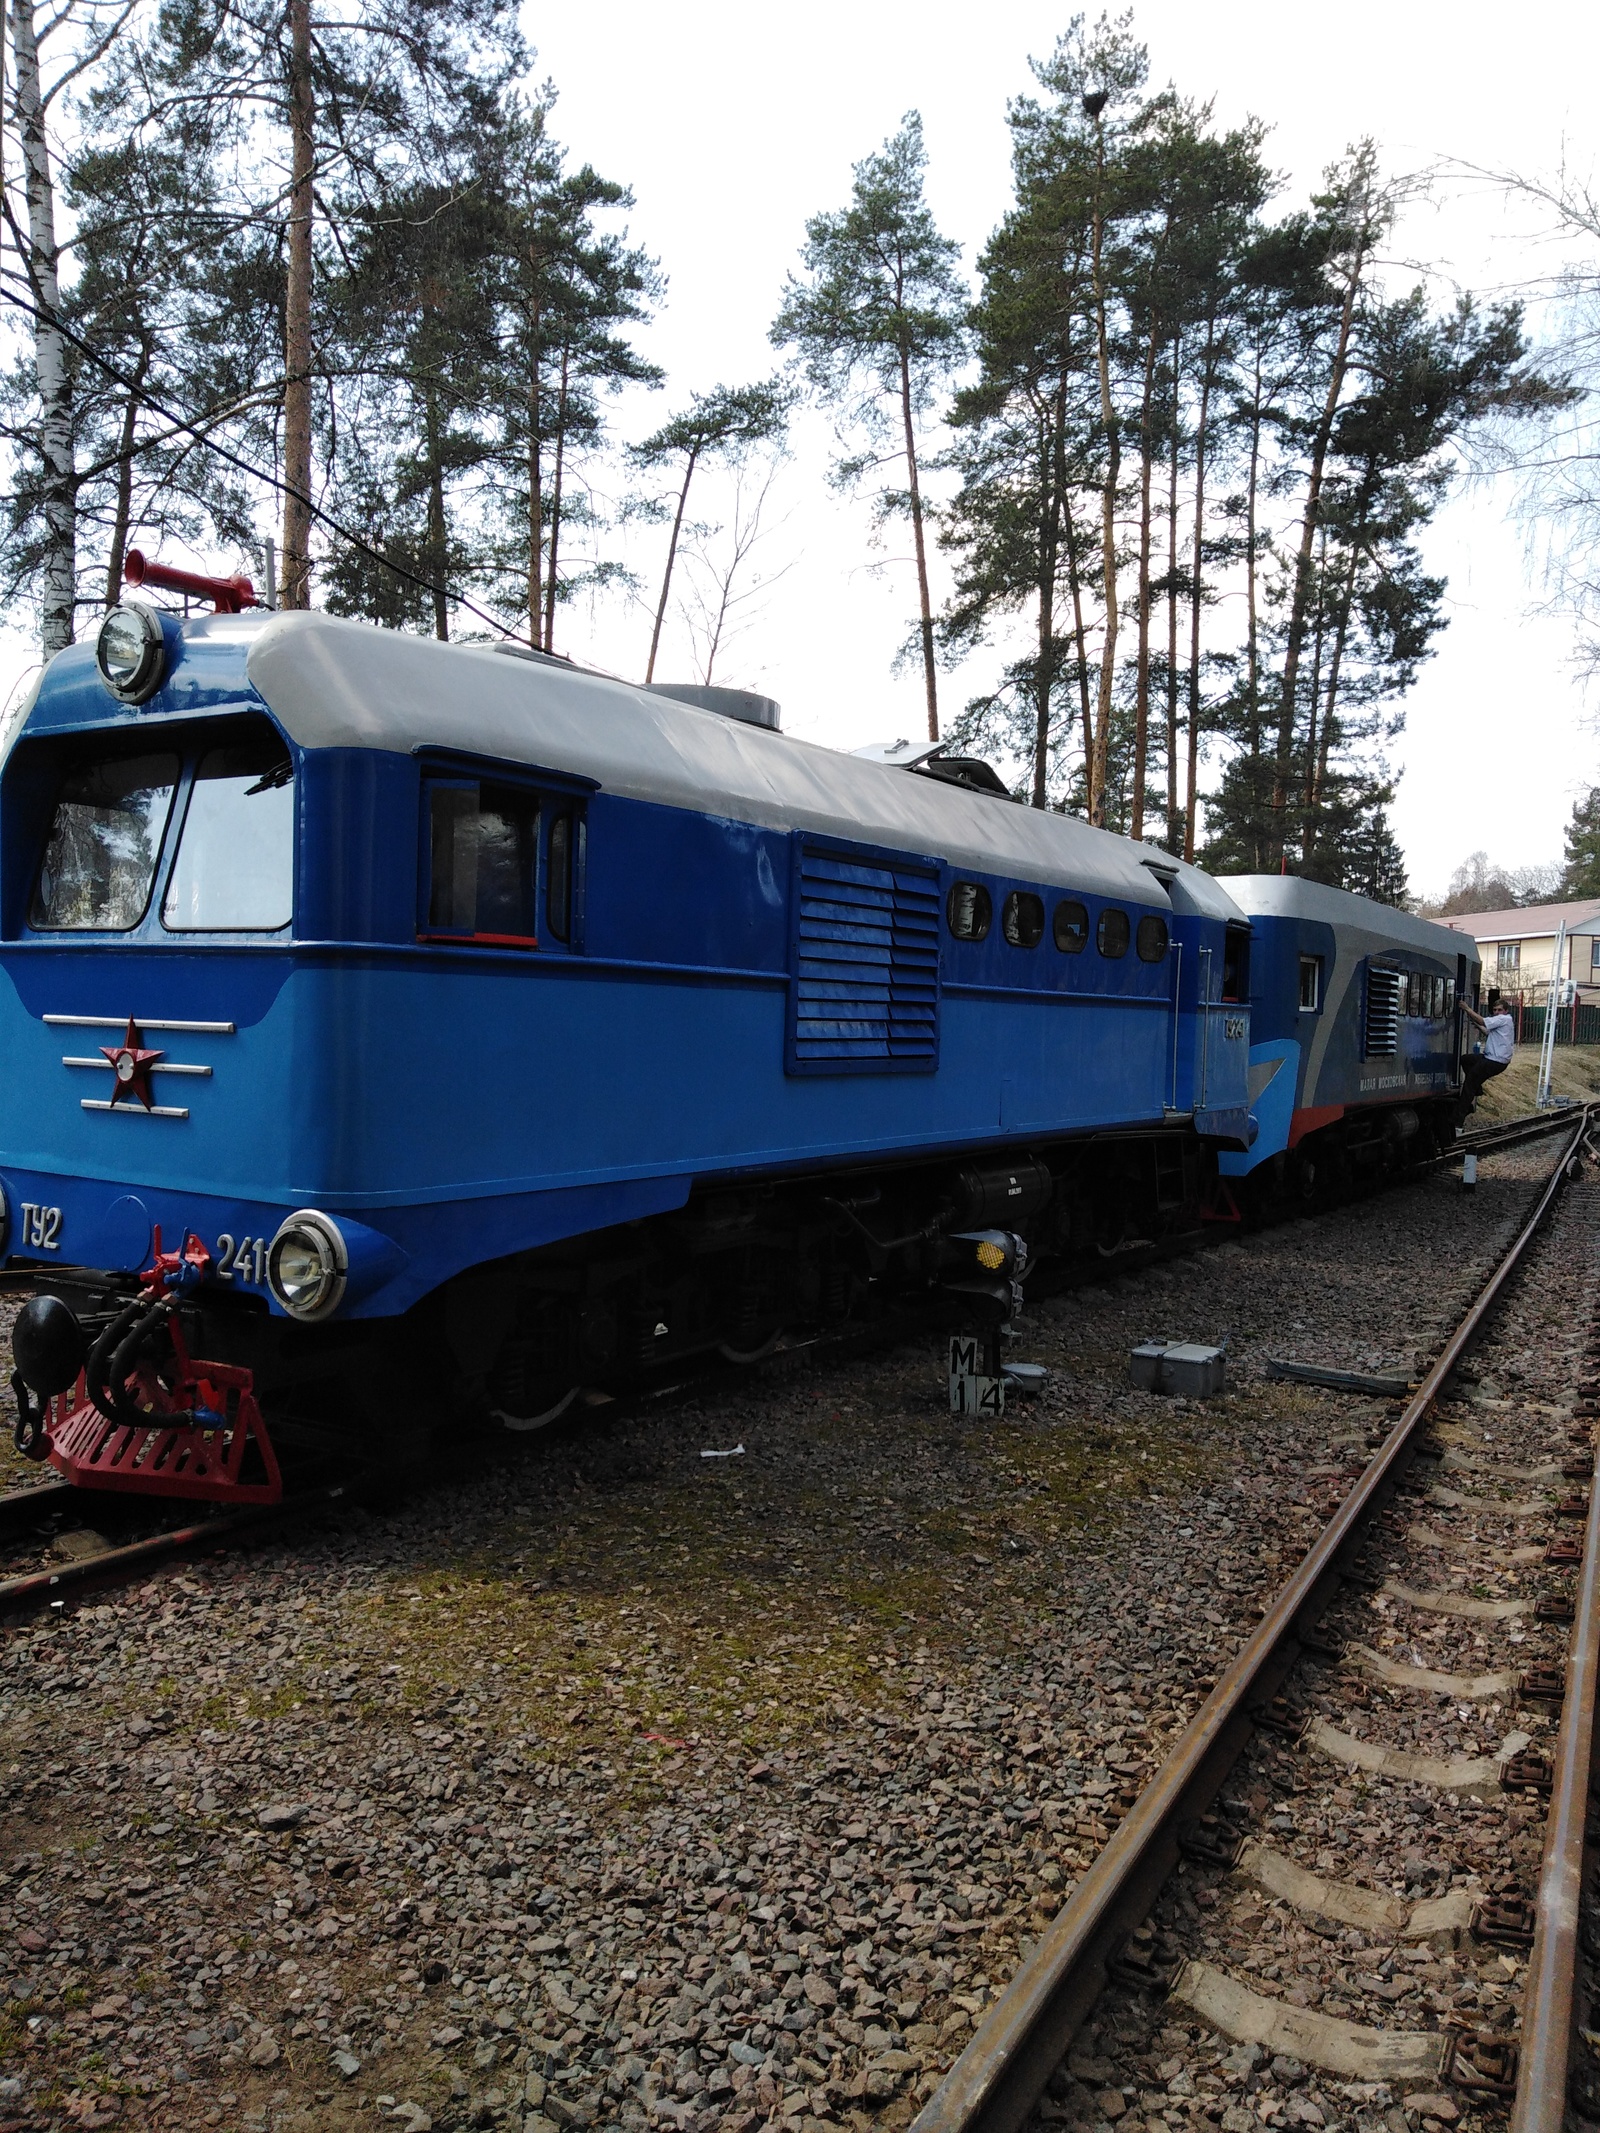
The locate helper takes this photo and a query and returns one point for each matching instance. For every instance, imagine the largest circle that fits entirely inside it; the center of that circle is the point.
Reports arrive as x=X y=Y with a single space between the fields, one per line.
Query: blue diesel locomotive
x=417 y=1029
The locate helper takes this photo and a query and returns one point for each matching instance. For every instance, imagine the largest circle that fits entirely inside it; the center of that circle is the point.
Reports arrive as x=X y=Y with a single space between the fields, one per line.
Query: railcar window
x=484 y=850
x=1310 y=984
x=969 y=909
x=1111 y=937
x=1071 y=928
x=234 y=872
x=105 y=841
x=1022 y=919
x=558 y=889
x=1151 y=938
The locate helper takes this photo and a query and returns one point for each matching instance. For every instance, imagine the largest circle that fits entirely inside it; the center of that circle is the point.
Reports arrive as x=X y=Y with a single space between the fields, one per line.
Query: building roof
x=1530 y=922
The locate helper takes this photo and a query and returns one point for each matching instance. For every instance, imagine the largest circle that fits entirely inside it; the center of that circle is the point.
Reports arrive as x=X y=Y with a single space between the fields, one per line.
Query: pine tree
x=876 y=324
x=1582 y=873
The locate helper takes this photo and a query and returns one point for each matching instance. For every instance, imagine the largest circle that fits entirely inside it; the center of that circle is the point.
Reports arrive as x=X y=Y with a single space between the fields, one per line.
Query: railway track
x=1267 y=1704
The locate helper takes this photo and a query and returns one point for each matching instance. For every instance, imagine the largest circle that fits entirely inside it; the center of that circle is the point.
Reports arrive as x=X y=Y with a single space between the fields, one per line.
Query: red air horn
x=229 y=596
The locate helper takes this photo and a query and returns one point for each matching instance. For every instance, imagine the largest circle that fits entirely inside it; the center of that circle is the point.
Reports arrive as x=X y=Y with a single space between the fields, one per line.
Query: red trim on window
x=480 y=940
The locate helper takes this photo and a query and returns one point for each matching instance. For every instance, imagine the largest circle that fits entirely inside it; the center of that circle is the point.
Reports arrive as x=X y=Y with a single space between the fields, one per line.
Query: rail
x=1023 y=2038
x=1549 y=2006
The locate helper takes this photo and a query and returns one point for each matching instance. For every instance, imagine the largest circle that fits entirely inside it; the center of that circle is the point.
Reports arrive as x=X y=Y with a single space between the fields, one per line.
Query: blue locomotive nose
x=48 y=1346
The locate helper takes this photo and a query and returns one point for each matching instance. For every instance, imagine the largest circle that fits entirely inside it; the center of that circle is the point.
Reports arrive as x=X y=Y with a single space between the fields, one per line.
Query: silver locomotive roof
x=1290 y=896
x=338 y=684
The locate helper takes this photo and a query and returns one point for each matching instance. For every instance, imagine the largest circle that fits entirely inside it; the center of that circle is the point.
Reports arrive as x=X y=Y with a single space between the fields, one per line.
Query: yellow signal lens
x=990 y=1255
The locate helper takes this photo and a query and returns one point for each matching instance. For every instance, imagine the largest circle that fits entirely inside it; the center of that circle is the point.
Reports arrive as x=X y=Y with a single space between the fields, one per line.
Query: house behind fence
x=1518 y=947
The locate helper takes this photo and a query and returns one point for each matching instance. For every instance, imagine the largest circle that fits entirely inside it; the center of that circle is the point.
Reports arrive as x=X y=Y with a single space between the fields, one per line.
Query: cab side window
x=483 y=850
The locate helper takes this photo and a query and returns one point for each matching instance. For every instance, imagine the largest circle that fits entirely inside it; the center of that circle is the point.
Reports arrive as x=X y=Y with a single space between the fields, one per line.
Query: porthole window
x=1151 y=939
x=1112 y=934
x=1071 y=928
x=969 y=910
x=1022 y=919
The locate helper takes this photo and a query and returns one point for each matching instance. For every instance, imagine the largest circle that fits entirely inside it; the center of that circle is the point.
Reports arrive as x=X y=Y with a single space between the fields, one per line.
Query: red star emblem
x=130 y=1065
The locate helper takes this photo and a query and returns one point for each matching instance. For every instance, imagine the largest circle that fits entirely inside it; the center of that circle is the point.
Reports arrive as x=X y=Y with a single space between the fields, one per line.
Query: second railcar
x=1356 y=1037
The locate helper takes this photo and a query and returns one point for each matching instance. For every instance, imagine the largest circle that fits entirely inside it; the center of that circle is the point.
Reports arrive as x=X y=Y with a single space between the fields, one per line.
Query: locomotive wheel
x=541 y=1420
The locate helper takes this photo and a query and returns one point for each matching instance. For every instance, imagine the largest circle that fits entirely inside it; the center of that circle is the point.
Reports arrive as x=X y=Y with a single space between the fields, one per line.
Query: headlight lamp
x=306 y=1265
x=131 y=653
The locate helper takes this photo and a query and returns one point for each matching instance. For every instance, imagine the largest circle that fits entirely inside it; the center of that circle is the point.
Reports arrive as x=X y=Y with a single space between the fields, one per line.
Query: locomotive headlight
x=307 y=1264
x=131 y=653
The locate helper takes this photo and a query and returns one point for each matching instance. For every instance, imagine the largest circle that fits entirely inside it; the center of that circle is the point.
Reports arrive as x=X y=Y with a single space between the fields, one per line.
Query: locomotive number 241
x=245 y=1260
x=41 y=1228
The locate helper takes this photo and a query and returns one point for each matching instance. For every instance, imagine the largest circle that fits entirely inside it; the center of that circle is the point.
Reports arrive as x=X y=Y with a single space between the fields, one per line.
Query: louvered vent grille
x=866 y=990
x=1384 y=995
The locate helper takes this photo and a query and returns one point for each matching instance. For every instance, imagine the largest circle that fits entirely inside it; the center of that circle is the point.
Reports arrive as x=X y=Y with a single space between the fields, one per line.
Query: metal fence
x=1576 y=1023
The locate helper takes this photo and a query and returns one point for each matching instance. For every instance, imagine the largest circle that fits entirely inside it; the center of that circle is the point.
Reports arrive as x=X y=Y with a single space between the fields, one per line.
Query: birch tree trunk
x=51 y=369
x=297 y=319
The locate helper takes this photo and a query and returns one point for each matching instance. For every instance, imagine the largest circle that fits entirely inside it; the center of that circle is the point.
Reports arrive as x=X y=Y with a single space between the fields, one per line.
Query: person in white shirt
x=1499 y=1044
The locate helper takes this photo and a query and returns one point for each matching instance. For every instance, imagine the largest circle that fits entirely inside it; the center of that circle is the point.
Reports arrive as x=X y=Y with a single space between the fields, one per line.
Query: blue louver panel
x=865 y=998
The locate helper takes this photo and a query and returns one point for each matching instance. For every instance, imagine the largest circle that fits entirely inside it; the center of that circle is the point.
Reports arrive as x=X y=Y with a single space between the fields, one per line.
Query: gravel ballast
x=618 y=1785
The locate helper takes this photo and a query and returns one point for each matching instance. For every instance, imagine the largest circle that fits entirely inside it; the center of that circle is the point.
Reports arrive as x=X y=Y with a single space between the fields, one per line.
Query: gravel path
x=625 y=1786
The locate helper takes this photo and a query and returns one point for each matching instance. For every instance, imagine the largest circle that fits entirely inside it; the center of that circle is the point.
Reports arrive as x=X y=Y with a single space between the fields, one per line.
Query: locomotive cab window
x=1022 y=919
x=1111 y=936
x=483 y=853
x=104 y=845
x=968 y=910
x=1070 y=927
x=1151 y=938
x=234 y=872
x=1310 y=984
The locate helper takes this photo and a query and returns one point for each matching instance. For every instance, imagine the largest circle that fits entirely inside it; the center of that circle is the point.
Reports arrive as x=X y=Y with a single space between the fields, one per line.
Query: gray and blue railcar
x=1356 y=1036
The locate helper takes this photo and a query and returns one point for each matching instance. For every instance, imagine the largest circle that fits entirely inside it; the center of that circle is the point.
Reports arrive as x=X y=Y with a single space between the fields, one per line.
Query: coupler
x=129 y=1407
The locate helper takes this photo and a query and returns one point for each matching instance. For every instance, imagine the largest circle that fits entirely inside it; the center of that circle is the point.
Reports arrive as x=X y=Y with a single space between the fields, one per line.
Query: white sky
x=733 y=124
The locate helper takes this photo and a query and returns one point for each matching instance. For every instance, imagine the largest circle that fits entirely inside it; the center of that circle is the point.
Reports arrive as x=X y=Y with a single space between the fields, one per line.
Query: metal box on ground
x=1182 y=1369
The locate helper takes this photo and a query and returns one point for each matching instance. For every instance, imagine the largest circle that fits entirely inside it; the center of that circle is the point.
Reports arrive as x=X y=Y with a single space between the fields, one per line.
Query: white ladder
x=1547 y=1050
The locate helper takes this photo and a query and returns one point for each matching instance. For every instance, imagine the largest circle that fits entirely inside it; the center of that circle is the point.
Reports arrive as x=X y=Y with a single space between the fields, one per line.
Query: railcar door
x=1222 y=1007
